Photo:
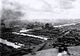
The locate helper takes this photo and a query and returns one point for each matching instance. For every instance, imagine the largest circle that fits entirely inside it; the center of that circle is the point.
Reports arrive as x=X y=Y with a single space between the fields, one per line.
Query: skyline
x=46 y=10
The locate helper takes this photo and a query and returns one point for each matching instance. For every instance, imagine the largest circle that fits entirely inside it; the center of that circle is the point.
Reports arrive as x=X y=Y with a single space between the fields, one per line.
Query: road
x=19 y=45
x=10 y=43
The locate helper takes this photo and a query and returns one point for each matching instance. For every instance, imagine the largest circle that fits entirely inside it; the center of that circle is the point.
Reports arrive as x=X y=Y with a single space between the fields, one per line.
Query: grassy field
x=74 y=51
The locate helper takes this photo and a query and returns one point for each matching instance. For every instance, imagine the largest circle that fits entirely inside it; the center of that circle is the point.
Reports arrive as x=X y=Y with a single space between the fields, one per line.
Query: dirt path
x=75 y=51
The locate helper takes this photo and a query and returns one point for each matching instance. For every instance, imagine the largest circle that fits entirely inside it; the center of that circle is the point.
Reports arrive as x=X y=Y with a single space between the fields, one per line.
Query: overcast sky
x=48 y=10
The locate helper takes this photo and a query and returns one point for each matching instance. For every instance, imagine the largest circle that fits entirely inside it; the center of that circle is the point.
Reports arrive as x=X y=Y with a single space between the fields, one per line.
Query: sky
x=46 y=10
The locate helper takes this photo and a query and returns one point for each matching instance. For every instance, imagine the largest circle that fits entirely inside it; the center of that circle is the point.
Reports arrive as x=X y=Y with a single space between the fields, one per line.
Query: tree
x=9 y=15
x=11 y=11
x=48 y=26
